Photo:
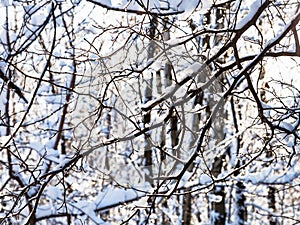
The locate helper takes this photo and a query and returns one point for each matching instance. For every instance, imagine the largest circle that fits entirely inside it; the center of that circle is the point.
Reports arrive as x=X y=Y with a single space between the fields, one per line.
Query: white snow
x=90 y=189
x=193 y=69
x=4 y=139
x=53 y=192
x=114 y=196
x=253 y=9
x=204 y=179
x=287 y=125
x=186 y=6
x=6 y=3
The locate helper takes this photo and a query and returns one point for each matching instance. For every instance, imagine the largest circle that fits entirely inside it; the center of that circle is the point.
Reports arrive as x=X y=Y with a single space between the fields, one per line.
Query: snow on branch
x=155 y=7
x=251 y=15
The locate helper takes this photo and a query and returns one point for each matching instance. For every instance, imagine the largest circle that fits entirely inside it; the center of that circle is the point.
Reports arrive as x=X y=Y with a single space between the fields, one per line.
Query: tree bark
x=218 y=216
x=148 y=97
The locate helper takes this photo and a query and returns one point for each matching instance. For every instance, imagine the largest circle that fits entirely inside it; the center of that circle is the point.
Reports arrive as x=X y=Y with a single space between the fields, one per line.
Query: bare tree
x=149 y=112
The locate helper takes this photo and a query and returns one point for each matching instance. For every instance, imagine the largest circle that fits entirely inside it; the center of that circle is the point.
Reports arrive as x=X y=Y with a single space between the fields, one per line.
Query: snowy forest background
x=150 y=112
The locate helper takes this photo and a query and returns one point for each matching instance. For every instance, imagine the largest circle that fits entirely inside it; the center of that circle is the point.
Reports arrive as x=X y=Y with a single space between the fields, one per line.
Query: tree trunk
x=269 y=154
x=148 y=97
x=272 y=204
x=69 y=94
x=218 y=213
x=240 y=203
